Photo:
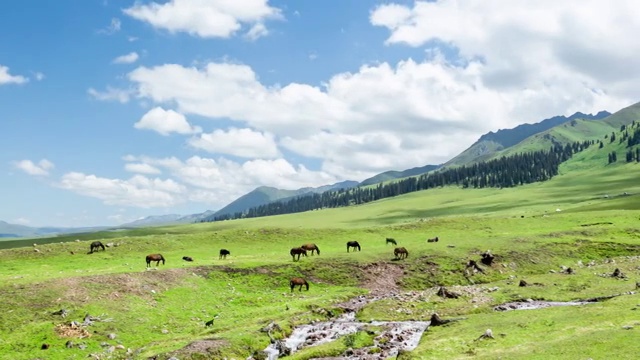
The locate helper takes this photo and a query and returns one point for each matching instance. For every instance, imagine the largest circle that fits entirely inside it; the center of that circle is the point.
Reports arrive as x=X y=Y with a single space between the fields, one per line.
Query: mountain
x=491 y=143
x=8 y=230
x=391 y=175
x=155 y=220
x=266 y=194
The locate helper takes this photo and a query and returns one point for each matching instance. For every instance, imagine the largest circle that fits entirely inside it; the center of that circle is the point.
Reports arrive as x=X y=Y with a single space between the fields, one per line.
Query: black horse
x=311 y=247
x=155 y=257
x=95 y=246
x=391 y=241
x=353 y=244
x=224 y=253
x=298 y=282
x=297 y=251
x=187 y=258
x=400 y=253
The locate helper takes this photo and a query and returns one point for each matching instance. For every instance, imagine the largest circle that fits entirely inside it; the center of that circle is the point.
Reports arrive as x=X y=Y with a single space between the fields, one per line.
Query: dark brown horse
x=311 y=247
x=400 y=253
x=155 y=257
x=95 y=246
x=224 y=253
x=297 y=251
x=298 y=282
x=354 y=245
x=391 y=241
x=435 y=239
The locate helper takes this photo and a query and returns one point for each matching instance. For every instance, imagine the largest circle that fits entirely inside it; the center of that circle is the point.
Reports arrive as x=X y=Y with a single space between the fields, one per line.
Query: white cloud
x=40 y=169
x=111 y=94
x=239 y=142
x=165 y=122
x=21 y=221
x=113 y=27
x=39 y=76
x=129 y=58
x=6 y=78
x=142 y=168
x=138 y=191
x=206 y=18
x=257 y=31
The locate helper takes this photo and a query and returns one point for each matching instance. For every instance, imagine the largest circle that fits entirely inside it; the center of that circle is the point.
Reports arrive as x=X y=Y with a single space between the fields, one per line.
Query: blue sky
x=115 y=110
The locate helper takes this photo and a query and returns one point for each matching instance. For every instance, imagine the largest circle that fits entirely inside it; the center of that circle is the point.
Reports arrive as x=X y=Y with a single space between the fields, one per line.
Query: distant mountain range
x=504 y=142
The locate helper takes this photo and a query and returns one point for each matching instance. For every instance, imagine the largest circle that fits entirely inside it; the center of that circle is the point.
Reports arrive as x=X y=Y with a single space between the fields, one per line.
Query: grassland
x=161 y=311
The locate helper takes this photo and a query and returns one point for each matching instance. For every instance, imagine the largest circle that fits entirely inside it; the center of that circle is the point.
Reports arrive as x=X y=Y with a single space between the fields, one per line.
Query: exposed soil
x=382 y=277
x=210 y=347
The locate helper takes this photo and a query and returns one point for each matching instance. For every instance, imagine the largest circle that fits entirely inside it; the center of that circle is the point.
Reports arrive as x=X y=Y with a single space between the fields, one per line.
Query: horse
x=400 y=253
x=353 y=244
x=391 y=241
x=297 y=251
x=187 y=258
x=435 y=239
x=95 y=246
x=224 y=253
x=155 y=257
x=208 y=323
x=311 y=247
x=298 y=282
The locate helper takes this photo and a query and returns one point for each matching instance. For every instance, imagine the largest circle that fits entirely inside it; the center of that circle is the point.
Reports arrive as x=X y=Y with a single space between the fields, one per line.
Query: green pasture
x=163 y=310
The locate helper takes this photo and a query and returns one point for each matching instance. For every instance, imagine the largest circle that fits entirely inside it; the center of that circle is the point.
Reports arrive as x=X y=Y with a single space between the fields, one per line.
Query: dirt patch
x=382 y=277
x=71 y=331
x=208 y=347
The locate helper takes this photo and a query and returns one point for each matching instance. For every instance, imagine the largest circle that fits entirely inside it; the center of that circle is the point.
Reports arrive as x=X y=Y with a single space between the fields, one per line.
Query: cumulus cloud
x=217 y=182
x=239 y=142
x=142 y=168
x=166 y=122
x=207 y=18
x=129 y=58
x=113 y=27
x=6 y=78
x=138 y=191
x=40 y=169
x=111 y=94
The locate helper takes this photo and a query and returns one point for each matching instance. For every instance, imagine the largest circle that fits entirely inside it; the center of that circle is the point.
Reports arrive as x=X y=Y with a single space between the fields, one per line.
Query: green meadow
x=587 y=218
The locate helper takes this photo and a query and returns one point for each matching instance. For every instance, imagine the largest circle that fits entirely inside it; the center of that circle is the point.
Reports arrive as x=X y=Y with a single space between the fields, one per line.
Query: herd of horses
x=399 y=253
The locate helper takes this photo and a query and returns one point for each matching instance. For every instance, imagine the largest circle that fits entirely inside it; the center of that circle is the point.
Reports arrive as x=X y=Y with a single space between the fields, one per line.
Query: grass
x=162 y=311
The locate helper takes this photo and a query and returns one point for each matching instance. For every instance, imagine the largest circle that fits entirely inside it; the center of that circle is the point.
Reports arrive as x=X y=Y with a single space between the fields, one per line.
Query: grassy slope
x=249 y=289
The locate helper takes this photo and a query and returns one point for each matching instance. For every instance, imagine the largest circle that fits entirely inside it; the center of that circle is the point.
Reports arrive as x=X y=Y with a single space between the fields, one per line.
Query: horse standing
x=298 y=251
x=224 y=253
x=435 y=239
x=95 y=246
x=391 y=241
x=311 y=247
x=354 y=245
x=298 y=282
x=400 y=253
x=155 y=257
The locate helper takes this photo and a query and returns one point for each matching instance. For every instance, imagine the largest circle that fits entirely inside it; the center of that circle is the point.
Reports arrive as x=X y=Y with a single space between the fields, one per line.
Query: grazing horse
x=187 y=258
x=224 y=253
x=311 y=247
x=435 y=239
x=155 y=257
x=298 y=282
x=298 y=251
x=391 y=241
x=353 y=244
x=400 y=253
x=95 y=246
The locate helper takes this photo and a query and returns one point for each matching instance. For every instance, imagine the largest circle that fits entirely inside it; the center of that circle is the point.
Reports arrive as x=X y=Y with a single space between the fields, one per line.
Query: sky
x=115 y=110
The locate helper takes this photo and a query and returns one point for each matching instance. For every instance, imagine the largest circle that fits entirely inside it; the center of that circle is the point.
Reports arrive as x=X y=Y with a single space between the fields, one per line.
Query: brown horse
x=155 y=257
x=297 y=251
x=435 y=239
x=298 y=282
x=354 y=245
x=391 y=241
x=224 y=253
x=311 y=247
x=95 y=246
x=400 y=253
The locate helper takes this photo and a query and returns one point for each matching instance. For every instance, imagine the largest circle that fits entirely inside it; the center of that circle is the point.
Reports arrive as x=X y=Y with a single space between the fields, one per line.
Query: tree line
x=504 y=172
